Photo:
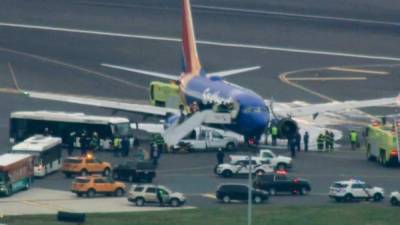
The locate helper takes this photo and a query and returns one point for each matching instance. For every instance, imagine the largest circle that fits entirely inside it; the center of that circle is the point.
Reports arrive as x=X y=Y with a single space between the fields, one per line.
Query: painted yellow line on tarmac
x=326 y=78
x=376 y=72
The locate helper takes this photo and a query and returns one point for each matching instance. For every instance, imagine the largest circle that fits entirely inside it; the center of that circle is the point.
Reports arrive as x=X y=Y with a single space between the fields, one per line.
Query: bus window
x=122 y=129
x=2 y=177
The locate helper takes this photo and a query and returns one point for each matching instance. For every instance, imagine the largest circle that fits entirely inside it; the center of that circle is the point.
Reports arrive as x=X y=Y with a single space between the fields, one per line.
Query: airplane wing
x=104 y=103
x=315 y=109
x=226 y=73
x=145 y=72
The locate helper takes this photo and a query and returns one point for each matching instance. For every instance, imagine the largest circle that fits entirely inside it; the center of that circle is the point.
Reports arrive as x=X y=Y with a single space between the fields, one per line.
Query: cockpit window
x=254 y=109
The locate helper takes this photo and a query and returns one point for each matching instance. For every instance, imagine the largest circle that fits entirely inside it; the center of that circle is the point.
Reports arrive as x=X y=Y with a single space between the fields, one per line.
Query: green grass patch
x=351 y=214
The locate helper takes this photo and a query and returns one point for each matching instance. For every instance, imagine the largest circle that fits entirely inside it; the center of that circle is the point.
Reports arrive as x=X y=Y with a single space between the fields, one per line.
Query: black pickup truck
x=281 y=183
x=135 y=171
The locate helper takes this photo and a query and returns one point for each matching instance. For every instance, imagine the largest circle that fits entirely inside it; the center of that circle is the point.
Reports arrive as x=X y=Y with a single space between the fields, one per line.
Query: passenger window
x=357 y=186
x=89 y=161
x=217 y=135
x=99 y=181
x=151 y=190
x=138 y=189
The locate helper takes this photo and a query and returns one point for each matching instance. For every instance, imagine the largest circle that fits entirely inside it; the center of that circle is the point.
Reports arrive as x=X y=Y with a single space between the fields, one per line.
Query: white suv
x=355 y=190
x=147 y=193
x=395 y=198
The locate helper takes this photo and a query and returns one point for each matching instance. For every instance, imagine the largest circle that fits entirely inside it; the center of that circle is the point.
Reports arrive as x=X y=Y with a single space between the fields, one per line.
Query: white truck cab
x=266 y=156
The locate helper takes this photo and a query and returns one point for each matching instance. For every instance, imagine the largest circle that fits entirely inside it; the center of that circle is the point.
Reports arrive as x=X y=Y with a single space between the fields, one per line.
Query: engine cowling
x=287 y=128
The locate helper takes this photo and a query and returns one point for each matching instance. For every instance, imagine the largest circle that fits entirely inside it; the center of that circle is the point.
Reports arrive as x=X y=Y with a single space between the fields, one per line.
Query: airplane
x=253 y=113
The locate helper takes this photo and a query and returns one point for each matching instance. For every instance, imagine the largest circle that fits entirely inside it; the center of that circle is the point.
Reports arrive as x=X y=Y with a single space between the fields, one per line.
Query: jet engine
x=287 y=128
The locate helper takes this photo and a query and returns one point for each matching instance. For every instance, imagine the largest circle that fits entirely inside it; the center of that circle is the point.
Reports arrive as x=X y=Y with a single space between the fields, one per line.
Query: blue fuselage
x=253 y=114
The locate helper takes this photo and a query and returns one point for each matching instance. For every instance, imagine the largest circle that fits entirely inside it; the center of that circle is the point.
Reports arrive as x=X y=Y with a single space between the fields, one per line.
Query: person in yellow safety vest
x=320 y=141
x=117 y=146
x=353 y=139
x=274 y=134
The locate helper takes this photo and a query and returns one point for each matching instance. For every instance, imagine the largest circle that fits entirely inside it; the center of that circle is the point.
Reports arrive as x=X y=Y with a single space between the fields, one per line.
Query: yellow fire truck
x=165 y=94
x=383 y=143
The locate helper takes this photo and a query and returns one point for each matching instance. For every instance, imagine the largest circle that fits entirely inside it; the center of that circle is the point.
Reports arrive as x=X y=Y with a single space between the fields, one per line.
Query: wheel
x=348 y=198
x=281 y=166
x=27 y=185
x=226 y=199
x=84 y=172
x=139 y=201
x=394 y=201
x=230 y=146
x=227 y=173
x=377 y=197
x=119 y=192
x=91 y=193
x=106 y=172
x=260 y=172
x=175 y=202
x=257 y=199
x=303 y=191
x=8 y=191
x=272 y=191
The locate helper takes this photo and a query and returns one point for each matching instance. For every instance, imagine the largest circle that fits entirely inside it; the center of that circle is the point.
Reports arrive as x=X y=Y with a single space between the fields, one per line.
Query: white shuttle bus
x=24 y=124
x=46 y=151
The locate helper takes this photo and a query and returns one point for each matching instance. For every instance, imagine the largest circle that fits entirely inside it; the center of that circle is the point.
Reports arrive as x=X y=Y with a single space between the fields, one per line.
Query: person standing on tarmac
x=160 y=197
x=70 y=142
x=326 y=139
x=320 y=142
x=298 y=141
x=274 y=134
x=353 y=139
x=292 y=145
x=84 y=141
x=220 y=156
x=332 y=140
x=125 y=146
x=306 y=138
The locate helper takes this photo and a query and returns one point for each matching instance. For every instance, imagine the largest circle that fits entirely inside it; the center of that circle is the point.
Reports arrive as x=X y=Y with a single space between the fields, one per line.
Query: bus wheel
x=84 y=172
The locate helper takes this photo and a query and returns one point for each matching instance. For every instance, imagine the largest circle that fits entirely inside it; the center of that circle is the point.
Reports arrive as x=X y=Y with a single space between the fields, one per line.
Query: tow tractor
x=383 y=143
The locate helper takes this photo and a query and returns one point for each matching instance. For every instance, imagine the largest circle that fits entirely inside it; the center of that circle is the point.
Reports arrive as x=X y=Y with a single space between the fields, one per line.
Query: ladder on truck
x=179 y=130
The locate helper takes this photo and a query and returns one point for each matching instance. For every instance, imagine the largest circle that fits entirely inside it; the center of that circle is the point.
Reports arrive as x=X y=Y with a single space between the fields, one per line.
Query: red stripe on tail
x=189 y=48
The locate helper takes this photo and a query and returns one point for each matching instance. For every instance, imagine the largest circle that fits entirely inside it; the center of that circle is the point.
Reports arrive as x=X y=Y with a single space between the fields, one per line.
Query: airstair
x=179 y=130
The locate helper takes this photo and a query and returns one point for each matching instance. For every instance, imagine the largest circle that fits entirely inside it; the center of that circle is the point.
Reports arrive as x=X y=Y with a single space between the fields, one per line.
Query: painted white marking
x=326 y=78
x=344 y=69
x=207 y=195
x=298 y=15
x=214 y=43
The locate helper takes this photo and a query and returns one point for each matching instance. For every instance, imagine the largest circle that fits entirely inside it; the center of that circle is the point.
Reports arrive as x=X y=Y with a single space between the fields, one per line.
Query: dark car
x=281 y=183
x=135 y=171
x=228 y=192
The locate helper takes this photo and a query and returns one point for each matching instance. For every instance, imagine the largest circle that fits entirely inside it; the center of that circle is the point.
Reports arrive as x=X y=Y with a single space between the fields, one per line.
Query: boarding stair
x=179 y=129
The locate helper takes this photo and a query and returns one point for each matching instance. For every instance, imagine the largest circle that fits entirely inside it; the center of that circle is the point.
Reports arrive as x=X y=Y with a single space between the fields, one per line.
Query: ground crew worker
x=266 y=133
x=125 y=146
x=292 y=146
x=70 y=142
x=94 y=144
x=160 y=196
x=331 y=140
x=46 y=132
x=353 y=139
x=159 y=140
x=327 y=137
x=220 y=156
x=117 y=146
x=182 y=116
x=306 y=138
x=298 y=141
x=320 y=142
x=274 y=134
x=155 y=154
x=84 y=140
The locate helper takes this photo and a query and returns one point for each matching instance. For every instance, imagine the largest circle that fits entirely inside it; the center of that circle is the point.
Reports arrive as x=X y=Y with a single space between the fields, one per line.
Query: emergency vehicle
x=354 y=189
x=92 y=185
x=382 y=142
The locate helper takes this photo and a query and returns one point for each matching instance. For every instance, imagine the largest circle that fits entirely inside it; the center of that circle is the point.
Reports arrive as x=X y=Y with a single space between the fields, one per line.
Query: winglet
x=189 y=49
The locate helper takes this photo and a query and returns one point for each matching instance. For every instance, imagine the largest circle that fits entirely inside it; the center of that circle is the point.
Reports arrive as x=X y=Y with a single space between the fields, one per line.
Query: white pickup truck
x=207 y=139
x=266 y=156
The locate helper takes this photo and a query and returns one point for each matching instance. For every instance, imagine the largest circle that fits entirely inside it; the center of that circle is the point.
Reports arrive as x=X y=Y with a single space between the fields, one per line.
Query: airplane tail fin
x=191 y=61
